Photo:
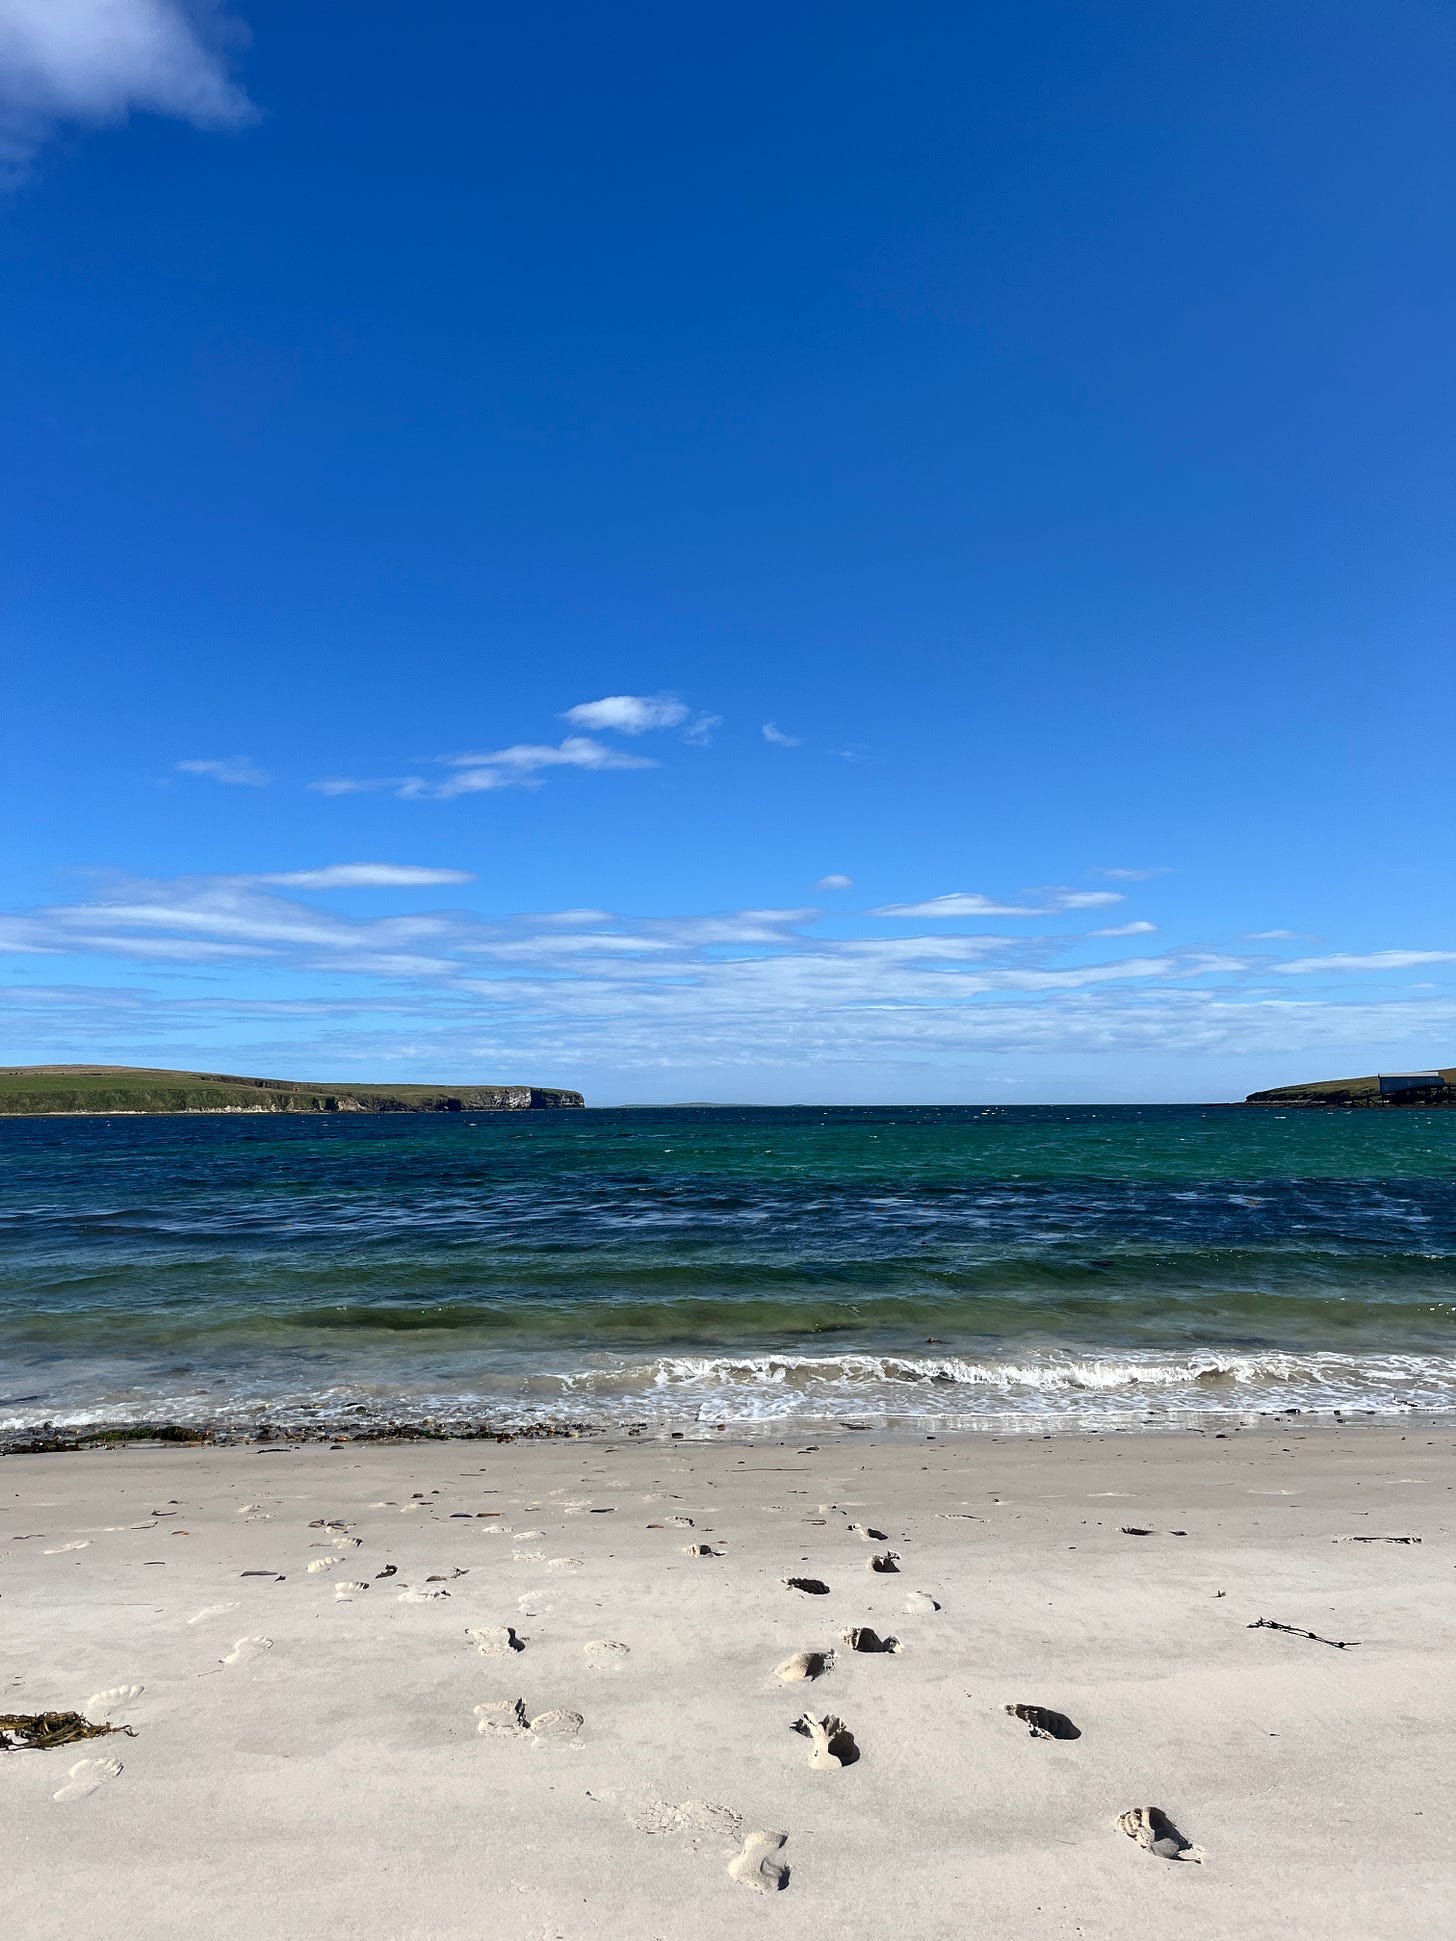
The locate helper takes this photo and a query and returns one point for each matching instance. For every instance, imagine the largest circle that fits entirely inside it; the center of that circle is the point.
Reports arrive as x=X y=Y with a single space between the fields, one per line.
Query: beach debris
x=1151 y=1828
x=276 y=1575
x=1294 y=1631
x=43 y=1731
x=1044 y=1723
x=831 y=1743
x=757 y=1866
x=887 y=1563
x=1136 y=1530
x=389 y=1570
x=85 y=1776
x=1377 y=1539
x=496 y=1641
x=862 y=1638
x=810 y=1586
x=805 y=1664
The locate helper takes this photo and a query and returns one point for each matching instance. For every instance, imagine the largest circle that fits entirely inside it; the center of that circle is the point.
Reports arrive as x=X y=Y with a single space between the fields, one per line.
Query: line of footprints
x=831 y=1744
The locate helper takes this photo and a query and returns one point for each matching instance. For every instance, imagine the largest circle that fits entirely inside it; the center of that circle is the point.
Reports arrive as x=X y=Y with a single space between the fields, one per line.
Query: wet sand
x=549 y=1708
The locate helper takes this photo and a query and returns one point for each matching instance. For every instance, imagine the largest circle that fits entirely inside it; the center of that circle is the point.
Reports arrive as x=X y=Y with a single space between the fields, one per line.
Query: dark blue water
x=695 y=1266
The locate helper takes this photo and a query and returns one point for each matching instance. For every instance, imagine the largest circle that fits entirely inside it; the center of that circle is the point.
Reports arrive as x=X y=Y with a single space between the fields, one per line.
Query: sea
x=696 y=1270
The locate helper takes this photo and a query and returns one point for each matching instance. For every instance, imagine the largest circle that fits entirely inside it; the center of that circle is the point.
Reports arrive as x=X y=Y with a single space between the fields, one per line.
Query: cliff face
x=39 y=1090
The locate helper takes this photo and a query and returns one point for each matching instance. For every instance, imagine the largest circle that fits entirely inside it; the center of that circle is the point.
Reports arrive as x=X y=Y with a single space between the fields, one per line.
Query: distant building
x=1391 y=1083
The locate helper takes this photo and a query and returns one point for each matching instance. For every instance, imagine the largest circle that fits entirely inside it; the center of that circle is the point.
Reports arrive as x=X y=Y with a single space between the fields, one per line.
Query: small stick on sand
x=1269 y=1624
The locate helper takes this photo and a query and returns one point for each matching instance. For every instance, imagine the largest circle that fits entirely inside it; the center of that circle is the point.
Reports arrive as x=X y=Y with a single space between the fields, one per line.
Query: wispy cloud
x=962 y=903
x=367 y=876
x=97 y=61
x=1132 y=875
x=1139 y=929
x=236 y=770
x=835 y=883
x=1268 y=937
x=521 y=765
x=1375 y=960
x=628 y=714
x=778 y=737
x=573 y=991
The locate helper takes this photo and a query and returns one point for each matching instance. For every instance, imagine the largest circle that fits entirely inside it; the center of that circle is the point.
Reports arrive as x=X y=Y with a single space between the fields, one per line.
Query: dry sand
x=315 y=1761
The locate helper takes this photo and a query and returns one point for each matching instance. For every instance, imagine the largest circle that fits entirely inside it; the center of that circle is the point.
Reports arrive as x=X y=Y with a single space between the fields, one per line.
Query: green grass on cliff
x=30 y=1090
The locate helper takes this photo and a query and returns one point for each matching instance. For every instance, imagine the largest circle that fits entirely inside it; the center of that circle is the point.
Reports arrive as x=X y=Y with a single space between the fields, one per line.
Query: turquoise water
x=933 y=1266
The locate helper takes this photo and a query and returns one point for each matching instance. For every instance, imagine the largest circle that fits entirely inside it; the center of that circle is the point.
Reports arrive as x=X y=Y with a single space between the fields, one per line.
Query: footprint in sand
x=116 y=1698
x=1044 y=1723
x=421 y=1594
x=805 y=1664
x=323 y=1563
x=920 y=1603
x=1151 y=1828
x=810 y=1586
x=887 y=1563
x=700 y=1550
x=247 y=1648
x=867 y=1533
x=758 y=1866
x=695 y=1820
x=496 y=1641
x=345 y=1593
x=605 y=1654
x=85 y=1776
x=81 y=1543
x=831 y=1744
x=210 y=1611
x=862 y=1638
x=563 y=1563
x=508 y=1715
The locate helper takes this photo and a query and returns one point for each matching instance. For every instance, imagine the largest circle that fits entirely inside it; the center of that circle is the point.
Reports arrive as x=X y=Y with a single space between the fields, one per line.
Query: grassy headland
x=32 y=1090
x=1361 y=1092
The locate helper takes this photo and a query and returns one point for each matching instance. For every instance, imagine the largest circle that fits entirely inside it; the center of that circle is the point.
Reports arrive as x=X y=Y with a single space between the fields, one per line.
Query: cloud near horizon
x=94 y=62
x=557 y=990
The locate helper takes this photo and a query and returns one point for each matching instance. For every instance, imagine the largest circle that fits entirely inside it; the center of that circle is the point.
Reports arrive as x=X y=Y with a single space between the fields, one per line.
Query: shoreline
x=313 y=1647
x=51 y=1438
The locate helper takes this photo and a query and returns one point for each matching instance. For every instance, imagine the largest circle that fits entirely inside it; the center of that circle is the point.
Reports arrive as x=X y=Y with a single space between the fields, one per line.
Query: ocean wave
x=749 y=1393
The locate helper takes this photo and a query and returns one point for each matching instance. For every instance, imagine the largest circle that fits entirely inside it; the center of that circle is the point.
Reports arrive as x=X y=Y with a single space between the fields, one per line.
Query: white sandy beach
x=334 y=1776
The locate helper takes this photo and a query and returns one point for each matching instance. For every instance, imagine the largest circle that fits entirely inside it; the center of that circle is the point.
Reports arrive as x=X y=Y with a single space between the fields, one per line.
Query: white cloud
x=1268 y=936
x=970 y=904
x=1138 y=929
x=566 y=994
x=237 y=769
x=1376 y=960
x=778 y=737
x=835 y=883
x=97 y=61
x=959 y=904
x=1132 y=875
x=629 y=714
x=367 y=876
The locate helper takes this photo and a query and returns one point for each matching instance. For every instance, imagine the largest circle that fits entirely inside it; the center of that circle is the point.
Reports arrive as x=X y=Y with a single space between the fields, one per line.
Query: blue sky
x=813 y=552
